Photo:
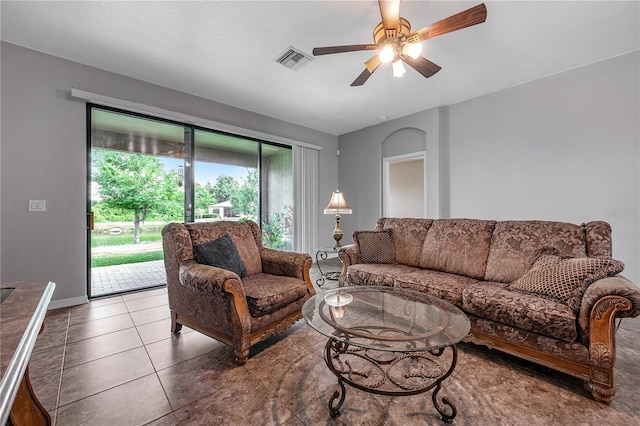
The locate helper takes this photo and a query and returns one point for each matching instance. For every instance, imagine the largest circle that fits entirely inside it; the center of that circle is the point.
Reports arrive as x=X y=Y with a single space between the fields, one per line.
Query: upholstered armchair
x=223 y=283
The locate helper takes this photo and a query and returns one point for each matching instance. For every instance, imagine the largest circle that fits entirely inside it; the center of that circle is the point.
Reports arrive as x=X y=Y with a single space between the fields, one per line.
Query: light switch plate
x=37 y=205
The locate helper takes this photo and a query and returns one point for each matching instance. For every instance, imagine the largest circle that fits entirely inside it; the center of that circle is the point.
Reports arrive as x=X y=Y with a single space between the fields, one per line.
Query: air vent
x=293 y=59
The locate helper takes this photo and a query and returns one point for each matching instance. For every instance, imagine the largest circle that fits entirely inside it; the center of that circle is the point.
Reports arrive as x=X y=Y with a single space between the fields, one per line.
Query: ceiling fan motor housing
x=396 y=39
x=380 y=35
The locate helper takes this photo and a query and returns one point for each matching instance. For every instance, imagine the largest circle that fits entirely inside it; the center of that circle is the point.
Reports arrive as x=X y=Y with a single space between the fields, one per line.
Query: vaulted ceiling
x=226 y=50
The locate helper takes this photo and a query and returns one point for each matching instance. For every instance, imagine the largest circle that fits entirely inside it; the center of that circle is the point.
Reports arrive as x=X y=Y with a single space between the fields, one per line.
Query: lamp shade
x=337 y=204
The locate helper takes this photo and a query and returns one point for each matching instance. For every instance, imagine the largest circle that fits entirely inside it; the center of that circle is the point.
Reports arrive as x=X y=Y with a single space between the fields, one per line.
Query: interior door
x=405 y=186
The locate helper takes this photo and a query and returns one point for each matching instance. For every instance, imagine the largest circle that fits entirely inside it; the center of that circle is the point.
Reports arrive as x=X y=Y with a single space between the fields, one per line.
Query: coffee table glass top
x=386 y=318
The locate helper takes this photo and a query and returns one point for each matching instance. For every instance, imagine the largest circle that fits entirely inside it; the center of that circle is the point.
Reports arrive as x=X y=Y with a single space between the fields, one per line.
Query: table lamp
x=337 y=206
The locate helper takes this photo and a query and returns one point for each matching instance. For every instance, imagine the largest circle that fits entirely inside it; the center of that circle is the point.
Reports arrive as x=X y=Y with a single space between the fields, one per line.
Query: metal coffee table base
x=390 y=373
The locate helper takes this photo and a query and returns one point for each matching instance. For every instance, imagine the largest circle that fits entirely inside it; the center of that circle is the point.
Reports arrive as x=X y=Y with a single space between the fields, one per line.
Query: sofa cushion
x=529 y=312
x=267 y=293
x=221 y=253
x=565 y=280
x=574 y=351
x=598 y=239
x=439 y=284
x=376 y=273
x=515 y=245
x=408 y=236
x=458 y=246
x=241 y=233
x=375 y=246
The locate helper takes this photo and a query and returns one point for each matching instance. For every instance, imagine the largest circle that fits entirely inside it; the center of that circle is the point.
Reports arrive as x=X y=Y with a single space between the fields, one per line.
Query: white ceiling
x=226 y=50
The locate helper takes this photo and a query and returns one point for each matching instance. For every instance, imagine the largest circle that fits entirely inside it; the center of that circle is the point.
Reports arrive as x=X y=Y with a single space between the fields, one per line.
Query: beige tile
x=242 y=402
x=147 y=302
x=142 y=294
x=198 y=377
x=158 y=330
x=134 y=403
x=180 y=348
x=85 y=330
x=168 y=420
x=54 y=332
x=101 y=346
x=80 y=314
x=150 y=315
x=94 y=303
x=54 y=314
x=46 y=361
x=46 y=389
x=90 y=378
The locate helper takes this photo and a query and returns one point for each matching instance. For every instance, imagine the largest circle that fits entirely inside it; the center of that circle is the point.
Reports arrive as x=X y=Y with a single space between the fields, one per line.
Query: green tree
x=245 y=200
x=224 y=188
x=172 y=206
x=131 y=182
x=203 y=199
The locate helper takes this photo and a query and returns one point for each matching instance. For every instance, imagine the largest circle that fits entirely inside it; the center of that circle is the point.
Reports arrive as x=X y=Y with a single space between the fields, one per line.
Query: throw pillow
x=375 y=246
x=221 y=253
x=565 y=279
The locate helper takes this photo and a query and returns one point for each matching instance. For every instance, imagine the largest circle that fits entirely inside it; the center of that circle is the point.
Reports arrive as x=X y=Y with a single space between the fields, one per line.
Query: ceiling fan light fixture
x=387 y=54
x=412 y=50
x=398 y=68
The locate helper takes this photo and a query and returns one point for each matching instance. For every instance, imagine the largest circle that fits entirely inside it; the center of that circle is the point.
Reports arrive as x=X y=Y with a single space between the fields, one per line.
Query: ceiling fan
x=397 y=44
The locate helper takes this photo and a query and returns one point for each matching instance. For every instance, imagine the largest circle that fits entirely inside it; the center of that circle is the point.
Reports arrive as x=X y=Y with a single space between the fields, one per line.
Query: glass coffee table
x=388 y=341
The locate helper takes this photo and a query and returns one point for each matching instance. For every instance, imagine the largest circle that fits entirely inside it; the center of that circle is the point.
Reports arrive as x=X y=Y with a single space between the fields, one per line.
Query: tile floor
x=114 y=362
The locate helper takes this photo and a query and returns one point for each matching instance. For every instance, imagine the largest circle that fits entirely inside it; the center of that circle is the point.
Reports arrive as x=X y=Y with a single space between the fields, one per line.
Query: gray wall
x=43 y=156
x=565 y=148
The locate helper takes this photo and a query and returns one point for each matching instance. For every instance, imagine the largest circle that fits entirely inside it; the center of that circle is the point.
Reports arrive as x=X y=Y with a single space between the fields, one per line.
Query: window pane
x=226 y=177
x=277 y=197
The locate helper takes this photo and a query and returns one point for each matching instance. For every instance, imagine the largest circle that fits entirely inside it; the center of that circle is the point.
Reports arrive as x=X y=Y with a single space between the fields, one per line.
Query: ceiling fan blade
x=341 y=49
x=373 y=63
x=390 y=12
x=422 y=65
x=466 y=18
x=362 y=78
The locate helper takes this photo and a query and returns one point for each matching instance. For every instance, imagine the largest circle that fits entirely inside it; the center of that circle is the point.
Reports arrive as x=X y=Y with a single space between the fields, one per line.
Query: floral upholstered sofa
x=548 y=292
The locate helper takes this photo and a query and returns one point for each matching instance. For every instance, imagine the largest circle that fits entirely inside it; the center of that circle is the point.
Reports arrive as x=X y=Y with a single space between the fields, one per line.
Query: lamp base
x=337 y=233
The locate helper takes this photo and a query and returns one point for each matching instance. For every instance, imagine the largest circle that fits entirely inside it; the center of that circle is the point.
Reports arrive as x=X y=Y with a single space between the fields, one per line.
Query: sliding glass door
x=136 y=186
x=145 y=172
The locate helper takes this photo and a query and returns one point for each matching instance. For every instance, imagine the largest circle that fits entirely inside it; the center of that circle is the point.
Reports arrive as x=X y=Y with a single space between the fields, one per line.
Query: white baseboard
x=63 y=303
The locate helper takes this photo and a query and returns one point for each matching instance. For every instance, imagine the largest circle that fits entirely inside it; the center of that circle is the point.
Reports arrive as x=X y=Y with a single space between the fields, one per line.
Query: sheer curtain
x=306 y=181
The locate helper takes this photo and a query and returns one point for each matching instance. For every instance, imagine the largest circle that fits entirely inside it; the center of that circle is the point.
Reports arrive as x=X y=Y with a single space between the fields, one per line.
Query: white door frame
x=388 y=161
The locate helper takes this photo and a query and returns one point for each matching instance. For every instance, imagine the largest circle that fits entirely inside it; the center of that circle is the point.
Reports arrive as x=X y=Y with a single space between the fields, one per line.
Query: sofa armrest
x=616 y=290
x=349 y=255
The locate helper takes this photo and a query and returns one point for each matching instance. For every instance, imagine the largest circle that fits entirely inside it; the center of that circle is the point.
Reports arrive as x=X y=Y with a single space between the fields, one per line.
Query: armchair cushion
x=268 y=293
x=221 y=253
